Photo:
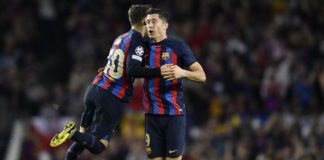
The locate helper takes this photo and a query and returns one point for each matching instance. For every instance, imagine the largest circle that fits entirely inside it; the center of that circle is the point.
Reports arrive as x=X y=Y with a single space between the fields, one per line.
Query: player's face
x=155 y=26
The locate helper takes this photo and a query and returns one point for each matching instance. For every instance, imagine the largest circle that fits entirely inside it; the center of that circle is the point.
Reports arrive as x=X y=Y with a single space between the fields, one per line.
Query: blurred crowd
x=264 y=62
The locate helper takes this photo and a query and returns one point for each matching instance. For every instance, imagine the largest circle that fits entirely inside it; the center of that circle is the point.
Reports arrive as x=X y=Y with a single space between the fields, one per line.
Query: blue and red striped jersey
x=127 y=49
x=161 y=96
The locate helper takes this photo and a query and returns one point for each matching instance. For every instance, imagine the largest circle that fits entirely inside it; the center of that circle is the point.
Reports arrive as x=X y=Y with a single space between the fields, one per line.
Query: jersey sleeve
x=136 y=51
x=187 y=56
x=135 y=58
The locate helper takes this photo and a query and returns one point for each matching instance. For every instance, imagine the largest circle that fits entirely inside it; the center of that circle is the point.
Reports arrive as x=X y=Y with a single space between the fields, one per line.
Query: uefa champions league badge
x=139 y=50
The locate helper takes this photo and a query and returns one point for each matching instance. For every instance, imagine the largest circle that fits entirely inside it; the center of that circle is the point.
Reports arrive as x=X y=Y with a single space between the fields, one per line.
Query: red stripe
x=117 y=46
x=146 y=101
x=125 y=86
x=157 y=81
x=174 y=87
x=127 y=45
x=122 y=90
x=97 y=79
x=107 y=83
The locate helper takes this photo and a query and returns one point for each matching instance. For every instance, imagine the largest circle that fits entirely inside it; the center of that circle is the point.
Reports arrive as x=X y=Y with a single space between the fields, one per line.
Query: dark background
x=263 y=61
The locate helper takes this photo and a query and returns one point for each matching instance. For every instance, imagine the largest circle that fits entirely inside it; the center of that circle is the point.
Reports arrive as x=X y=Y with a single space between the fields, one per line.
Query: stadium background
x=264 y=63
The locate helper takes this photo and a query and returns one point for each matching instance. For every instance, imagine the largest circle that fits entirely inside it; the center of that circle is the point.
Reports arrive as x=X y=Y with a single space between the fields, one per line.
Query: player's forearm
x=143 y=72
x=197 y=76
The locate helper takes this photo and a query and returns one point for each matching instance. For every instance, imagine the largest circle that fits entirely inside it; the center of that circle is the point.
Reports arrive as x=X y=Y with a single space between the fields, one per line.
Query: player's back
x=113 y=77
x=161 y=96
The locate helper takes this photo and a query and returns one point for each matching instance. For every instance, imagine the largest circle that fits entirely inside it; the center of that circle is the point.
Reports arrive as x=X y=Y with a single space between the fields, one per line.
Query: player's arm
x=143 y=72
x=134 y=66
x=195 y=73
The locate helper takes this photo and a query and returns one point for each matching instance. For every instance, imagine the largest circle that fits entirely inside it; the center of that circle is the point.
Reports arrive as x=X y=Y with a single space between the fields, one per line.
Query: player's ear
x=145 y=19
x=166 y=25
x=143 y=22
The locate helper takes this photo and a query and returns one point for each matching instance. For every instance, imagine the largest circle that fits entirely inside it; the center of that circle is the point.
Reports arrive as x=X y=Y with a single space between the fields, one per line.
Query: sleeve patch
x=139 y=50
x=137 y=57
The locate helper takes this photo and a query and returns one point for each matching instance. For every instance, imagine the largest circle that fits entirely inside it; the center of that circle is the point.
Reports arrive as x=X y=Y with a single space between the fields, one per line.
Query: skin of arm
x=195 y=72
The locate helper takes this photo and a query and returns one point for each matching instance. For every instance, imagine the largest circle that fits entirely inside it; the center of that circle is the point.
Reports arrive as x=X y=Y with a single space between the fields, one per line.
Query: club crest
x=165 y=55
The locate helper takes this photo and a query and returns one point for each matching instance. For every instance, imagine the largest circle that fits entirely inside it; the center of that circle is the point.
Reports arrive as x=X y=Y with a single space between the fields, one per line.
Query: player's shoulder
x=177 y=44
x=175 y=40
x=130 y=34
x=120 y=37
x=135 y=34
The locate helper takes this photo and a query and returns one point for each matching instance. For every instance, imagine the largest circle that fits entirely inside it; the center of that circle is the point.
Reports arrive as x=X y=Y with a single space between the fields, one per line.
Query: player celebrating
x=163 y=99
x=110 y=89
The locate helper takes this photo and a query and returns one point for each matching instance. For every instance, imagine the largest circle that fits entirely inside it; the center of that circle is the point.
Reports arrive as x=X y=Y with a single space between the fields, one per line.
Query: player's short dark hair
x=164 y=16
x=136 y=13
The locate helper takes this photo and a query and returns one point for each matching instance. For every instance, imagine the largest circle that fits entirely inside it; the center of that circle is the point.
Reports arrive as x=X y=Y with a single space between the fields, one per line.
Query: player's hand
x=164 y=68
x=173 y=72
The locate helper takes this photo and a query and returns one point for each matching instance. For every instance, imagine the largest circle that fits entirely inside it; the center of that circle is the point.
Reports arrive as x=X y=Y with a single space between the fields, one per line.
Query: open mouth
x=150 y=32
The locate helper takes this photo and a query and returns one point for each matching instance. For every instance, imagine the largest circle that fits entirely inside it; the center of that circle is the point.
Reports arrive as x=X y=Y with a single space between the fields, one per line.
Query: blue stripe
x=119 y=81
x=106 y=137
x=151 y=81
x=102 y=81
x=122 y=46
x=168 y=95
x=116 y=89
x=152 y=57
x=125 y=41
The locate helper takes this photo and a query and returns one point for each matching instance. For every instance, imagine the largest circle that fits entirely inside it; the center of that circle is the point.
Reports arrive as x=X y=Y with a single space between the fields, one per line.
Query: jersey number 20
x=115 y=63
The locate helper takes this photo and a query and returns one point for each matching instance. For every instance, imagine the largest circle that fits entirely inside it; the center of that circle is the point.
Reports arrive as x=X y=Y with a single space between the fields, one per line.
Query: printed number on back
x=115 y=63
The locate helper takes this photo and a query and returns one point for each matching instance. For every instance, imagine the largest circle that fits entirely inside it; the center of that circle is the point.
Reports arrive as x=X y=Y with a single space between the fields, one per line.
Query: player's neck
x=160 y=38
x=139 y=28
